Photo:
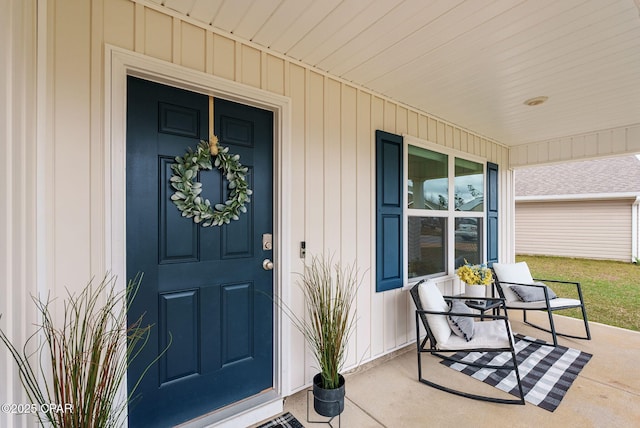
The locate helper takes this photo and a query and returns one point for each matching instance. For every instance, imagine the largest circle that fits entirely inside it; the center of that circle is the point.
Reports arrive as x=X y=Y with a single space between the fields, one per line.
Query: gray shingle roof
x=609 y=175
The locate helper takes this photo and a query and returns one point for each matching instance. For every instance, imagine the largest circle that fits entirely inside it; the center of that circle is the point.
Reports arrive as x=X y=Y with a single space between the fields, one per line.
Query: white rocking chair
x=523 y=292
x=445 y=328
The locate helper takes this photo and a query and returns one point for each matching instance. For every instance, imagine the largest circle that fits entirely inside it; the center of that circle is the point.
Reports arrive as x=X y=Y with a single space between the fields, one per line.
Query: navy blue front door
x=204 y=288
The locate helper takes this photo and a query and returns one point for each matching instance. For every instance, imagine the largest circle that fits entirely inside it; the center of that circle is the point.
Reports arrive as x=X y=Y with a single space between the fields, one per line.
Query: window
x=428 y=180
x=445 y=215
x=426 y=244
x=431 y=210
x=469 y=197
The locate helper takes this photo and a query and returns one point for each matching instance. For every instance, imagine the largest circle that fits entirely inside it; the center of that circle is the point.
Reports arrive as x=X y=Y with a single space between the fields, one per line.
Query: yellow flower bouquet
x=475 y=274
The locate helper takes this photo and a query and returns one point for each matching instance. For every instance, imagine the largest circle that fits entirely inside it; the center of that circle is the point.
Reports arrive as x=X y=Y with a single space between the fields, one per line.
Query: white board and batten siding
x=331 y=162
x=20 y=188
x=333 y=127
x=594 y=229
x=597 y=144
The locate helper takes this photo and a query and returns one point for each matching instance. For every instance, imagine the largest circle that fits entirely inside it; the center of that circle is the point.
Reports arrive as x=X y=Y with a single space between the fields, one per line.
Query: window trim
x=451 y=214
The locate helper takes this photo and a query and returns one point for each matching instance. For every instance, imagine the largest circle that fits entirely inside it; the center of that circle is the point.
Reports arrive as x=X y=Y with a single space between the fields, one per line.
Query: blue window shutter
x=492 y=212
x=389 y=209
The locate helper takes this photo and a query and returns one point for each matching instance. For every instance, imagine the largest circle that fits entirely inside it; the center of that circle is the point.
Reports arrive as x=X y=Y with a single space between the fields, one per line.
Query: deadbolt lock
x=267 y=241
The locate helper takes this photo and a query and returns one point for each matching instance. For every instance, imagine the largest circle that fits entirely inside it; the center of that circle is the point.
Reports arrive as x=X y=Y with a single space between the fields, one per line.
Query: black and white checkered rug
x=286 y=420
x=546 y=371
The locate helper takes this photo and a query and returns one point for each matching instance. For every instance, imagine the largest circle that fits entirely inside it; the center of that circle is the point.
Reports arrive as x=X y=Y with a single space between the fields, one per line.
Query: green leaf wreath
x=187 y=190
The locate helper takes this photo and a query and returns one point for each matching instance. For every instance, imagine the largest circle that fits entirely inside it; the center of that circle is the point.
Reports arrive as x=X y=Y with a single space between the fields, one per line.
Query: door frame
x=119 y=63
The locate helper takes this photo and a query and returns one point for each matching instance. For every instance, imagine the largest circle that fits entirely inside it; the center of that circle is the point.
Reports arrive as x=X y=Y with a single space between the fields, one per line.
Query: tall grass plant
x=329 y=292
x=80 y=363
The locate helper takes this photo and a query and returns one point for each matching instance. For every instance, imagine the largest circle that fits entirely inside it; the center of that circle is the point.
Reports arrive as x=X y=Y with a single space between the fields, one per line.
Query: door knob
x=267 y=264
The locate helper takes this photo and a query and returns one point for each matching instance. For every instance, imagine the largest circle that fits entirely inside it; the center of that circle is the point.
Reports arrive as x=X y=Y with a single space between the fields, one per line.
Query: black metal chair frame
x=433 y=348
x=548 y=309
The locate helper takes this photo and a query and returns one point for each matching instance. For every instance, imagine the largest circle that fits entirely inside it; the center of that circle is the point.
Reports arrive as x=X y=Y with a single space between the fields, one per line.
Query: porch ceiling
x=473 y=63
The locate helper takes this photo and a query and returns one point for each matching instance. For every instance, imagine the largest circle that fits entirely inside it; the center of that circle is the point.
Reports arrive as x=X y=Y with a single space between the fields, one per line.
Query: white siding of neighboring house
x=599 y=229
x=63 y=240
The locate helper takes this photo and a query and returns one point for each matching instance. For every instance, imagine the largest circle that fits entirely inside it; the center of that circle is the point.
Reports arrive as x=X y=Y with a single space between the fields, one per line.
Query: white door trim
x=119 y=63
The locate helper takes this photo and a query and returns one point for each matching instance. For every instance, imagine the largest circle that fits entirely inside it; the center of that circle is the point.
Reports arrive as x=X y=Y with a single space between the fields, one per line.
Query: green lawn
x=611 y=289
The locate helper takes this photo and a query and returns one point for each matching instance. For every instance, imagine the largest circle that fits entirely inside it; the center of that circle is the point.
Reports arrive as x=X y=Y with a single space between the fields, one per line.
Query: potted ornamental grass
x=476 y=278
x=73 y=366
x=329 y=291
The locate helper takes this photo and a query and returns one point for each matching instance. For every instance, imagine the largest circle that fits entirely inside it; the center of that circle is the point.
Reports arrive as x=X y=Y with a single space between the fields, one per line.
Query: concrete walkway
x=388 y=394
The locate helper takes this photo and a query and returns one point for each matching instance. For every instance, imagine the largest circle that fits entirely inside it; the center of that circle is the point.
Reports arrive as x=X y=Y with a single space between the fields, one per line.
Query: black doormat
x=286 y=420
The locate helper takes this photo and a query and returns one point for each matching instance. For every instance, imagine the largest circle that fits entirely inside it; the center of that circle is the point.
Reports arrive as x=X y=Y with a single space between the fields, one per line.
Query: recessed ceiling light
x=535 y=101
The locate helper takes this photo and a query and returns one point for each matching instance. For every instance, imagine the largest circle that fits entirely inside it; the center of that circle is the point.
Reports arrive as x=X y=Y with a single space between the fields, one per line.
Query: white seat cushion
x=555 y=303
x=487 y=334
x=432 y=300
x=512 y=272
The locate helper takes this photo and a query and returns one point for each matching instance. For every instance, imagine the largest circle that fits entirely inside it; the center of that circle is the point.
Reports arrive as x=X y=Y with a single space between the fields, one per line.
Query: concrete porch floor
x=388 y=394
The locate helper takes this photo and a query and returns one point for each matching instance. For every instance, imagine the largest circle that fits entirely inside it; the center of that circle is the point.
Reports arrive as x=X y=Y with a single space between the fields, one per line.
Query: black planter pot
x=328 y=402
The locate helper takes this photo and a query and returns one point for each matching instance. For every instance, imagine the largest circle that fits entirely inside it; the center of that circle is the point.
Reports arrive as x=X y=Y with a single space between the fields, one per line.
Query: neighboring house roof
x=472 y=205
x=609 y=176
